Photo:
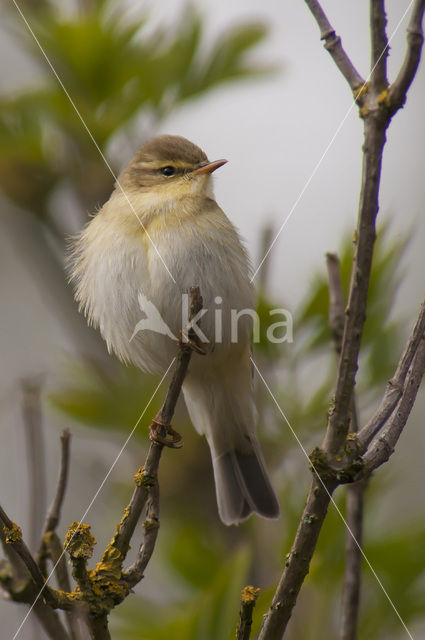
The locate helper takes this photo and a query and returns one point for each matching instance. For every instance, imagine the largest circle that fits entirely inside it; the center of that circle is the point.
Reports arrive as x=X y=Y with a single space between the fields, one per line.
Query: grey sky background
x=274 y=133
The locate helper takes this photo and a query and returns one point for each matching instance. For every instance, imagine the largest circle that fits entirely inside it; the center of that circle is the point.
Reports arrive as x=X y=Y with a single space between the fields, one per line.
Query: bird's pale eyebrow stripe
x=158 y=164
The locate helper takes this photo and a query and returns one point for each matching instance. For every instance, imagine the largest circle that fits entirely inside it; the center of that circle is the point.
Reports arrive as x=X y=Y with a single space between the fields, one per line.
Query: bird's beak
x=209 y=167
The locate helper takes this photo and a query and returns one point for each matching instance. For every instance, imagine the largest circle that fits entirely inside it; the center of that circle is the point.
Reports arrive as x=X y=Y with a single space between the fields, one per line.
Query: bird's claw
x=174 y=442
x=193 y=343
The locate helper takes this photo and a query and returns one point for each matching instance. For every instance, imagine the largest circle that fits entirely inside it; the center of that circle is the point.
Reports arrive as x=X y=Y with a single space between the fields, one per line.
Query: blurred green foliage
x=123 y=78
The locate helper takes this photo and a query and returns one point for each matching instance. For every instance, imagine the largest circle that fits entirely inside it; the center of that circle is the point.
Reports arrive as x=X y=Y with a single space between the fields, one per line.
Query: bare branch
x=13 y=536
x=79 y=544
x=338 y=417
x=49 y=620
x=35 y=457
x=249 y=597
x=148 y=478
x=298 y=560
x=355 y=492
x=76 y=618
x=353 y=561
x=99 y=627
x=328 y=463
x=395 y=386
x=53 y=515
x=267 y=236
x=336 y=300
x=135 y=572
x=17 y=566
x=333 y=45
x=382 y=447
x=379 y=45
x=415 y=38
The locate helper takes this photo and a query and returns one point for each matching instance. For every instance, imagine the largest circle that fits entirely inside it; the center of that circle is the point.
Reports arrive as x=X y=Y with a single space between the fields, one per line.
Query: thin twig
x=76 y=618
x=150 y=470
x=79 y=544
x=379 y=45
x=267 y=236
x=415 y=38
x=135 y=572
x=18 y=567
x=395 y=386
x=35 y=457
x=13 y=536
x=354 y=492
x=249 y=597
x=49 y=620
x=338 y=417
x=297 y=561
x=336 y=300
x=333 y=45
x=53 y=514
x=353 y=561
x=382 y=447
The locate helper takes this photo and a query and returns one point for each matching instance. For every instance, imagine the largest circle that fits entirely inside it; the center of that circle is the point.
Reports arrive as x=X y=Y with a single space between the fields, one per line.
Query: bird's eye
x=168 y=171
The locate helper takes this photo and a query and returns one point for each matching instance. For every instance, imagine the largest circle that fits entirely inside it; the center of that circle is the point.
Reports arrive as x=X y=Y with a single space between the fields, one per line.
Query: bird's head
x=170 y=167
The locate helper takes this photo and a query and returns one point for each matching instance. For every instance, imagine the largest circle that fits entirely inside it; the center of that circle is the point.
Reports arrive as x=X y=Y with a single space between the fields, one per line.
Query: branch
x=35 y=456
x=382 y=447
x=52 y=519
x=379 y=45
x=354 y=492
x=99 y=627
x=135 y=572
x=333 y=45
x=298 y=560
x=328 y=464
x=18 y=570
x=249 y=597
x=415 y=38
x=53 y=514
x=148 y=478
x=76 y=617
x=79 y=543
x=336 y=300
x=13 y=536
x=353 y=561
x=395 y=386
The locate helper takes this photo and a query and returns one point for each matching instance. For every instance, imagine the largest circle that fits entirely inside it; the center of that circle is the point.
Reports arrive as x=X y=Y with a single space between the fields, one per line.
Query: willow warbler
x=160 y=233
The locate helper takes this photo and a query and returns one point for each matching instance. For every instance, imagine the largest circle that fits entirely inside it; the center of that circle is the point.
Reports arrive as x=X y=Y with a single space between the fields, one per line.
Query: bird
x=160 y=233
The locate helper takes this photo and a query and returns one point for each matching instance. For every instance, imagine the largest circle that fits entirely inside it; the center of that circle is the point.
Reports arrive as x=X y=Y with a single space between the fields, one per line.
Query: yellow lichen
x=249 y=594
x=111 y=562
x=361 y=90
x=13 y=534
x=143 y=479
x=384 y=98
x=79 y=541
x=138 y=477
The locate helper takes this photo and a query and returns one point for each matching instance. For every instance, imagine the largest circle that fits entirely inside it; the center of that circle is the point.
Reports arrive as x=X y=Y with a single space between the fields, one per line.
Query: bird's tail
x=223 y=410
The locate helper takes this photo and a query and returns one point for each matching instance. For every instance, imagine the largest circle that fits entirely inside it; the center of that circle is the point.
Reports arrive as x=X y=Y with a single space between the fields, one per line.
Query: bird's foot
x=193 y=343
x=174 y=442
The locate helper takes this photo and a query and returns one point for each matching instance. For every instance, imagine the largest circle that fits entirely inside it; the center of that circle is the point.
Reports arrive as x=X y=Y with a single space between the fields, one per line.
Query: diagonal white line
x=322 y=157
x=83 y=122
x=96 y=494
x=375 y=575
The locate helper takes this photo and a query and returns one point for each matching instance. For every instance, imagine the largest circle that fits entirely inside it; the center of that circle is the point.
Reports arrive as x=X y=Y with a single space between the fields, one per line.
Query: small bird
x=160 y=233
